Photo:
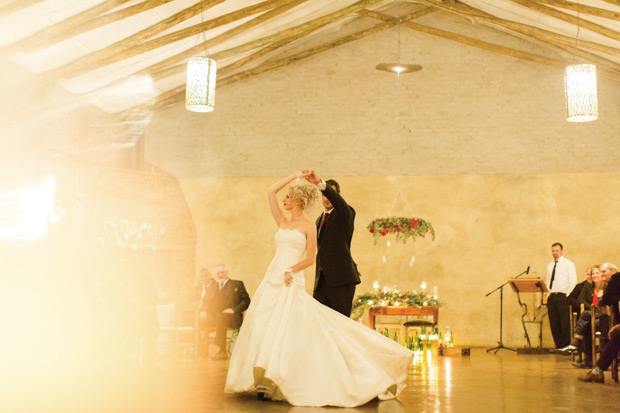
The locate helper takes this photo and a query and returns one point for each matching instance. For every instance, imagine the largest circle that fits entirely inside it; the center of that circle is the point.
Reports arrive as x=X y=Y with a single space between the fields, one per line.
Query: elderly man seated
x=222 y=308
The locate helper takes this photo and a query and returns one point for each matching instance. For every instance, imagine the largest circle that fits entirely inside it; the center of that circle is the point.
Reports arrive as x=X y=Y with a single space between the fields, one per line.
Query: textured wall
x=489 y=229
x=476 y=143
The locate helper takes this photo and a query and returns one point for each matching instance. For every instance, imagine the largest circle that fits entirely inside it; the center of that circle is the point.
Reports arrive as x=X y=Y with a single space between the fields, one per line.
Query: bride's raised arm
x=276 y=212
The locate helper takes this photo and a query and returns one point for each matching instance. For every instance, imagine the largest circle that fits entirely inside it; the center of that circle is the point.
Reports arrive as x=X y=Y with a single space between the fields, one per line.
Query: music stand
x=500 y=343
x=530 y=285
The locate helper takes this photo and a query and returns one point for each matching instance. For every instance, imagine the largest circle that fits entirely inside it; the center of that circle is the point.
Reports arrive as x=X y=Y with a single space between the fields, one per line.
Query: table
x=422 y=311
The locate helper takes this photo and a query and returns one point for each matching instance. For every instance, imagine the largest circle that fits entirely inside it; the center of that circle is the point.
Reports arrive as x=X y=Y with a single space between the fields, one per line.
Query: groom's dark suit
x=336 y=272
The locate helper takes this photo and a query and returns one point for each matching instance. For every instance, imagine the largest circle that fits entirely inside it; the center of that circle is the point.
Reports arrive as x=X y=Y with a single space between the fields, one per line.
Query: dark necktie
x=553 y=275
x=325 y=215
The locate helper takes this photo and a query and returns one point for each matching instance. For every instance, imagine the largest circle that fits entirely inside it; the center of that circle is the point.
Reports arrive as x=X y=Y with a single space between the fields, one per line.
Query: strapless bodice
x=290 y=239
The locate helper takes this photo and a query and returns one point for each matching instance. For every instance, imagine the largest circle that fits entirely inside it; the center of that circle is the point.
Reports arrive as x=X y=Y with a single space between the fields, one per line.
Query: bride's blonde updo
x=307 y=194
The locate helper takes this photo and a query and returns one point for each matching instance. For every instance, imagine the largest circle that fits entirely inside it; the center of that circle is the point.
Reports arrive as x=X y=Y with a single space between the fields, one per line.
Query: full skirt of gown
x=293 y=348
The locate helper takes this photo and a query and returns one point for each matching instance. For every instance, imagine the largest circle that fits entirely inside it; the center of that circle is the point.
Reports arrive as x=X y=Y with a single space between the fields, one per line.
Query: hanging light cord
x=202 y=32
x=577 y=35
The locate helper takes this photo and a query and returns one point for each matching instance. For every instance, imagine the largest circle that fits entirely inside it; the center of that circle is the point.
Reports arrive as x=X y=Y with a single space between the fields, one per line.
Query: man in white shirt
x=561 y=279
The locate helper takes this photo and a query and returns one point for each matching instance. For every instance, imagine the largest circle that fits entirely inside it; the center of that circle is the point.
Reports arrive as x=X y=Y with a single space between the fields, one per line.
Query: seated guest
x=573 y=297
x=611 y=296
x=608 y=356
x=590 y=296
x=204 y=281
x=224 y=304
x=607 y=271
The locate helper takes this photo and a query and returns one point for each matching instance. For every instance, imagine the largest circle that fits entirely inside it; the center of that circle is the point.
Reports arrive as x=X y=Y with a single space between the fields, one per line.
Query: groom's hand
x=311 y=177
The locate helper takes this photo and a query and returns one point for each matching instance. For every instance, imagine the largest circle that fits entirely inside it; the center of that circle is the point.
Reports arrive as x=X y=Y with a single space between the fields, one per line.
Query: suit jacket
x=574 y=297
x=612 y=296
x=232 y=295
x=198 y=291
x=333 y=259
x=586 y=295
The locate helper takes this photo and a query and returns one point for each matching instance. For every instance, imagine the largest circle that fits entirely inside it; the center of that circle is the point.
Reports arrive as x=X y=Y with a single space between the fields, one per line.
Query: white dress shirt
x=223 y=283
x=565 y=276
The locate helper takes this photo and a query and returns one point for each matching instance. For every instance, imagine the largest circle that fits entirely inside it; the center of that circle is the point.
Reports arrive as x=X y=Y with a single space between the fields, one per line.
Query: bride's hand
x=288 y=277
x=310 y=176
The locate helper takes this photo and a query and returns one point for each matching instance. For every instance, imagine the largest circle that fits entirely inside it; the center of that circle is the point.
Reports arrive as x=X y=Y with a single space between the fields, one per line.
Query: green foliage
x=402 y=227
x=390 y=298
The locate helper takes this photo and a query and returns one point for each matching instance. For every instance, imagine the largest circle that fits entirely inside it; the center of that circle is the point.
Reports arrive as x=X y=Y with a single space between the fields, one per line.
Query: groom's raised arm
x=338 y=202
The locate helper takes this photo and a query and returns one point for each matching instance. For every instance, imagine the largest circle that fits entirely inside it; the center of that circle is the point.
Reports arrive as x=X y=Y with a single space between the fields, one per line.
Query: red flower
x=414 y=222
x=372 y=230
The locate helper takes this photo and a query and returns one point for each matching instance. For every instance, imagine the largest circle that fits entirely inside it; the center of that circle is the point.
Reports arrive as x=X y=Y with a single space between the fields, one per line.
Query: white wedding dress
x=293 y=348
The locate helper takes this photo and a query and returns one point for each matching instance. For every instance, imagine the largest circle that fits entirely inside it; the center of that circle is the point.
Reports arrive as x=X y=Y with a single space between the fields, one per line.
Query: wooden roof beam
x=277 y=8
x=316 y=23
x=170 y=67
x=554 y=40
x=583 y=9
x=162 y=69
x=47 y=36
x=560 y=15
x=95 y=59
x=17 y=5
x=176 y=69
x=559 y=63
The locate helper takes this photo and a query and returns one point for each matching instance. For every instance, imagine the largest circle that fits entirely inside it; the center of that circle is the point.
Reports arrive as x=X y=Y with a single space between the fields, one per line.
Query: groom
x=336 y=272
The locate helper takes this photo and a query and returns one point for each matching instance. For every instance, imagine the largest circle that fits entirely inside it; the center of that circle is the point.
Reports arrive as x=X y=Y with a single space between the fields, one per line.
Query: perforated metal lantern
x=200 y=86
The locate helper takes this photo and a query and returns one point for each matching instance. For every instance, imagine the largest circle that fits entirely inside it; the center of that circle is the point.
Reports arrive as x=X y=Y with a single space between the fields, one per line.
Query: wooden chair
x=177 y=330
x=599 y=338
x=614 y=364
x=574 y=315
x=231 y=338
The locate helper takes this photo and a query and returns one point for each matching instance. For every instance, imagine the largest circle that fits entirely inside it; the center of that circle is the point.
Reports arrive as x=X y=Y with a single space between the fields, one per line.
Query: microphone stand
x=500 y=344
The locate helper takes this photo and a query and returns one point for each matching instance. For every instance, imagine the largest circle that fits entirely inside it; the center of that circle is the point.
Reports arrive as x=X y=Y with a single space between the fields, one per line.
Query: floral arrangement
x=403 y=227
x=390 y=298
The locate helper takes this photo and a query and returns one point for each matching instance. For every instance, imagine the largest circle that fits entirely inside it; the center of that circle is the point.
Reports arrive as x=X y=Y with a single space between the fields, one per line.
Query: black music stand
x=500 y=344
x=530 y=285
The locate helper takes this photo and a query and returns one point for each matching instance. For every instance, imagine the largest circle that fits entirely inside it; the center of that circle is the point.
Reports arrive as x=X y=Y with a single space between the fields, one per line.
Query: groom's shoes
x=220 y=356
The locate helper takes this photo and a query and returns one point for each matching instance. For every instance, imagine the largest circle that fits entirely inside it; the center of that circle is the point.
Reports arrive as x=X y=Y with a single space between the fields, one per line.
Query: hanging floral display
x=402 y=227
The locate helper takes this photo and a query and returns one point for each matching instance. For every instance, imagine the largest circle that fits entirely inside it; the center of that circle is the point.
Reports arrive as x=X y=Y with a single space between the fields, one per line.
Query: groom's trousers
x=338 y=298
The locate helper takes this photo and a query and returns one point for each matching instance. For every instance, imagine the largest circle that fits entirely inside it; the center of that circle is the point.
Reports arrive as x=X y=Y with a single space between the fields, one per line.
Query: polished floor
x=482 y=382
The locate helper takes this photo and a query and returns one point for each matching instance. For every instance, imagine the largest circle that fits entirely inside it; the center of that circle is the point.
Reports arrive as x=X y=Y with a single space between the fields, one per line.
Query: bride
x=293 y=348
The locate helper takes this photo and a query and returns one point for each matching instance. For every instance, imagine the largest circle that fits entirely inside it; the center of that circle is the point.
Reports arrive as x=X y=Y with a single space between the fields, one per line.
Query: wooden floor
x=482 y=382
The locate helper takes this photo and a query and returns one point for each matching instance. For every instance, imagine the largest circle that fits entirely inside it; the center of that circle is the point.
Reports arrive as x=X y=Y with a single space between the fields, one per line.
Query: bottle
x=440 y=340
x=448 y=337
